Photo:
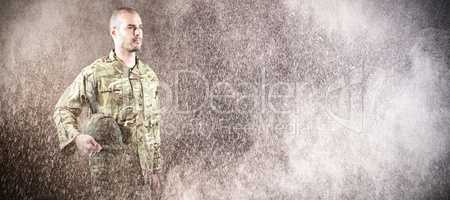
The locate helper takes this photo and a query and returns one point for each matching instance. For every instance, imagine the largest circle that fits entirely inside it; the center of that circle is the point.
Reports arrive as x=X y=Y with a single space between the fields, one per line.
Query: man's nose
x=138 y=32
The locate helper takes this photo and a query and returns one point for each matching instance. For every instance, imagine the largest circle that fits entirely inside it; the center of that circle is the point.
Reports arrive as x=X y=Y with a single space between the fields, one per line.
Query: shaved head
x=114 y=21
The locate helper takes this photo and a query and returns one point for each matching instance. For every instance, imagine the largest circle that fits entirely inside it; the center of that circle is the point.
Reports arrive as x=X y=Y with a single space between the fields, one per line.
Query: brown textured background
x=264 y=99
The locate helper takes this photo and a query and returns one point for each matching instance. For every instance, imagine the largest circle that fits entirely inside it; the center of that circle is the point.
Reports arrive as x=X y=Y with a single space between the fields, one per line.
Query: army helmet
x=104 y=129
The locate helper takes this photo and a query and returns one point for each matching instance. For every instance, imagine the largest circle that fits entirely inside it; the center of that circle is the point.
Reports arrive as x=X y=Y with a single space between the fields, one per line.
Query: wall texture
x=262 y=99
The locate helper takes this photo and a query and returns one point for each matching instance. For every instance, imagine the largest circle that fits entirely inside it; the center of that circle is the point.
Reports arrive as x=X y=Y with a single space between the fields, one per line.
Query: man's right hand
x=86 y=144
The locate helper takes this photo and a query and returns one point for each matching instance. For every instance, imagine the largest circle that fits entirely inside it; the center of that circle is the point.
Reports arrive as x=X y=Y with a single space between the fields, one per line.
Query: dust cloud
x=262 y=99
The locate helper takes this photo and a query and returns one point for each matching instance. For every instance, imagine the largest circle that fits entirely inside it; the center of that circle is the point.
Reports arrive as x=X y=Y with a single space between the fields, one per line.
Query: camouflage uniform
x=131 y=101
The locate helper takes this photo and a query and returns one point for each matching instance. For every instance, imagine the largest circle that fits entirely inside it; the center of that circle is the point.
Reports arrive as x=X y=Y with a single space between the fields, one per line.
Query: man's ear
x=113 y=32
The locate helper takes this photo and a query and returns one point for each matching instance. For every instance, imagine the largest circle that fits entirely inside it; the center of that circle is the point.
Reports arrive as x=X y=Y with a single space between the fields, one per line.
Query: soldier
x=122 y=137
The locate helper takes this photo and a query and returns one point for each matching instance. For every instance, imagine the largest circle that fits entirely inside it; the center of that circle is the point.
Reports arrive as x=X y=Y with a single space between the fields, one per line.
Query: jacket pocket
x=112 y=95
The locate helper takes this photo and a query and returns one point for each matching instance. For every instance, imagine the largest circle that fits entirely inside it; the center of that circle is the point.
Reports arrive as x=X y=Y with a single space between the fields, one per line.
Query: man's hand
x=156 y=185
x=87 y=145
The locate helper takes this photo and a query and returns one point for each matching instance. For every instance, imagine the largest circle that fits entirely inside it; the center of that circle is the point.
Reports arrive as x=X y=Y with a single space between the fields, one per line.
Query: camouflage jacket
x=131 y=98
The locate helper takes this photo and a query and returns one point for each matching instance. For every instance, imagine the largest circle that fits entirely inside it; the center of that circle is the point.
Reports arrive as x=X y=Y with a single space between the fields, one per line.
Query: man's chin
x=137 y=49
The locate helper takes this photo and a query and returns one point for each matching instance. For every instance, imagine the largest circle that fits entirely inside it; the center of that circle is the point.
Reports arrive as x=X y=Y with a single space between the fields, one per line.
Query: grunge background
x=288 y=99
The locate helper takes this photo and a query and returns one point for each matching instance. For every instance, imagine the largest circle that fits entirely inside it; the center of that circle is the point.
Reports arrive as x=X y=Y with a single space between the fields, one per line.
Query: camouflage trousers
x=116 y=174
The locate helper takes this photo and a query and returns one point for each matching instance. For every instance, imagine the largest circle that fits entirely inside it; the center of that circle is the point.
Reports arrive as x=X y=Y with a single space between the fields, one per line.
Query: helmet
x=104 y=129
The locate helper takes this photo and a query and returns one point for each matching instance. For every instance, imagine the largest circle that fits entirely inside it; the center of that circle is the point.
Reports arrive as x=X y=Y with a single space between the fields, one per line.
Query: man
x=121 y=94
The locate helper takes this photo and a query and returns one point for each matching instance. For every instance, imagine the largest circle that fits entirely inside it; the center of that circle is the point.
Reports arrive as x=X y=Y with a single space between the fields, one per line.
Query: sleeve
x=67 y=111
x=157 y=145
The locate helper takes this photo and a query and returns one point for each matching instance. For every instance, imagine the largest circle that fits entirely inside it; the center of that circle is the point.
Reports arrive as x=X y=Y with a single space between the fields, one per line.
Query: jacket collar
x=113 y=57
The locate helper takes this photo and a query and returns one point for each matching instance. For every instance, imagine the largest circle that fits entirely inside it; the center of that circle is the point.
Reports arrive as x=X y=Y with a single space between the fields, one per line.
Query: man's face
x=127 y=33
